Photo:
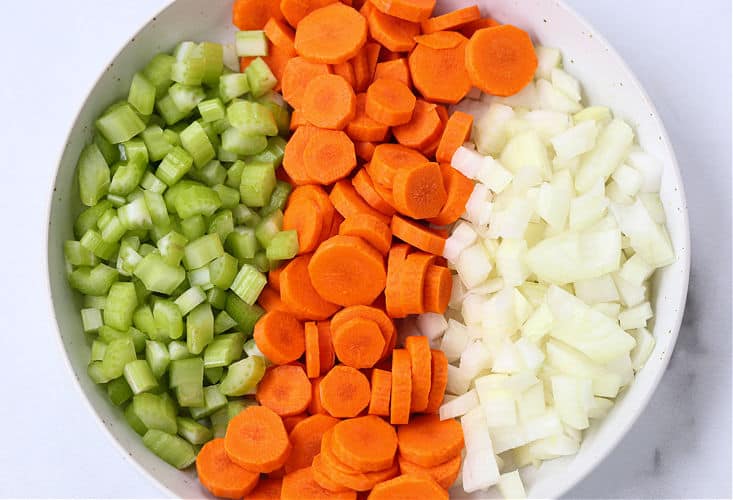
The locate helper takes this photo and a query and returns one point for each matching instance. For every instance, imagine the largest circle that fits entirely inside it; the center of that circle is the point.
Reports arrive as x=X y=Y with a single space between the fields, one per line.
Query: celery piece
x=200 y=252
x=235 y=406
x=195 y=141
x=273 y=154
x=168 y=319
x=243 y=376
x=88 y=218
x=278 y=199
x=95 y=301
x=217 y=297
x=222 y=223
x=134 y=421
x=186 y=97
x=194 y=227
x=77 y=255
x=139 y=376
x=118 y=353
x=234 y=174
x=242 y=243
x=229 y=196
x=192 y=431
x=260 y=77
x=251 y=349
x=155 y=412
x=186 y=371
x=98 y=349
x=113 y=230
x=248 y=284
x=281 y=115
x=156 y=143
x=283 y=246
x=189 y=299
x=156 y=354
x=171 y=247
x=219 y=422
x=211 y=174
x=151 y=183
x=214 y=400
x=178 y=350
x=135 y=215
x=223 y=322
x=240 y=143
x=185 y=50
x=268 y=227
x=226 y=156
x=189 y=71
x=119 y=124
x=110 y=151
x=213 y=375
x=174 y=166
x=174 y=191
x=142 y=94
x=213 y=54
x=91 y=320
x=258 y=183
x=223 y=270
x=93 y=175
x=119 y=391
x=117 y=201
x=251 y=118
x=251 y=43
x=136 y=152
x=96 y=372
x=244 y=314
x=199 y=328
x=107 y=334
x=138 y=339
x=127 y=258
x=93 y=281
x=212 y=110
x=157 y=209
x=245 y=215
x=190 y=394
x=135 y=194
x=224 y=350
x=143 y=320
x=171 y=113
x=172 y=449
x=127 y=178
x=233 y=85
x=159 y=276
x=158 y=72
x=200 y=277
x=121 y=305
x=146 y=249
x=220 y=126
x=262 y=263
x=196 y=199
x=172 y=137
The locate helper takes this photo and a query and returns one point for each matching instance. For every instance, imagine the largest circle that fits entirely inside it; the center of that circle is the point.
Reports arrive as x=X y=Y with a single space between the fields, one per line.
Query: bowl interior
x=605 y=80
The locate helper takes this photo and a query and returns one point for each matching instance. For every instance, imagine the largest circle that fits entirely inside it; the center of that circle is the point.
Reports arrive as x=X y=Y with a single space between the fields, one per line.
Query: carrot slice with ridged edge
x=267 y=489
x=331 y=34
x=386 y=325
x=306 y=440
x=293 y=420
x=501 y=61
x=409 y=486
x=419 y=191
x=362 y=127
x=423 y=129
x=388 y=159
x=444 y=474
x=395 y=260
x=390 y=102
x=395 y=69
x=429 y=441
x=469 y=29
x=344 y=392
x=348 y=202
x=417 y=235
x=399 y=405
x=381 y=383
x=392 y=32
x=299 y=294
x=451 y=20
x=329 y=102
x=325 y=346
x=358 y=342
x=280 y=337
x=220 y=475
x=371 y=229
x=304 y=217
x=346 y=270
x=438 y=380
x=297 y=74
x=412 y=282
x=293 y=157
x=438 y=285
x=440 y=74
x=285 y=389
x=312 y=350
x=295 y=10
x=420 y=362
x=253 y=14
x=329 y=156
x=457 y=131
x=256 y=440
x=411 y=10
x=364 y=185
x=300 y=485
x=316 y=407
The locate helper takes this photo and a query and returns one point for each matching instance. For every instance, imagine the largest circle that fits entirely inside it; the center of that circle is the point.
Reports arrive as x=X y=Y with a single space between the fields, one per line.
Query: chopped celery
x=91 y=320
x=279 y=198
x=219 y=422
x=120 y=123
x=127 y=177
x=158 y=71
x=98 y=349
x=139 y=376
x=223 y=270
x=135 y=215
x=200 y=278
x=217 y=297
x=118 y=353
x=248 y=284
x=155 y=412
x=222 y=224
x=196 y=199
x=93 y=280
x=95 y=301
x=157 y=209
x=156 y=354
x=257 y=184
x=93 y=175
x=233 y=85
x=110 y=151
x=151 y=183
x=145 y=322
x=199 y=328
x=172 y=449
x=252 y=118
x=192 y=431
x=214 y=400
x=213 y=54
x=245 y=215
x=223 y=322
x=96 y=372
x=260 y=77
x=195 y=141
x=262 y=263
x=193 y=227
x=142 y=94
x=244 y=314
x=229 y=196
x=156 y=142
x=119 y=391
x=251 y=349
x=186 y=371
x=241 y=143
x=168 y=319
x=211 y=174
x=174 y=166
x=234 y=174
x=251 y=43
x=212 y=110
x=186 y=97
x=77 y=255
x=158 y=275
x=243 y=376
x=171 y=247
x=223 y=350
x=281 y=115
x=269 y=227
x=88 y=218
x=283 y=246
x=190 y=394
x=189 y=71
x=171 y=113
x=190 y=299
x=242 y=243
x=121 y=305
x=178 y=350
x=213 y=375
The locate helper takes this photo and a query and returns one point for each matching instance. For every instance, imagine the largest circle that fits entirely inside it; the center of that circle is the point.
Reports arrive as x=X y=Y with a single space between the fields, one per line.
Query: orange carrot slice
x=459 y=189
x=444 y=474
x=325 y=346
x=303 y=216
x=417 y=235
x=267 y=489
x=270 y=300
x=280 y=35
x=358 y=343
x=390 y=102
x=280 y=337
x=293 y=420
x=331 y=34
x=469 y=29
x=381 y=389
x=364 y=185
x=424 y=128
x=325 y=207
x=386 y=325
x=392 y=32
x=300 y=485
x=306 y=439
x=256 y=440
x=329 y=102
x=297 y=74
x=396 y=259
x=293 y=157
x=429 y=441
x=439 y=380
x=395 y=69
x=299 y=294
x=371 y=229
x=346 y=71
x=344 y=392
x=451 y=20
x=348 y=202
x=457 y=131
x=364 y=150
x=409 y=486
x=329 y=156
x=362 y=127
x=419 y=191
x=440 y=74
x=399 y=406
x=411 y=10
x=285 y=389
x=419 y=349
x=221 y=476
x=368 y=444
x=390 y=158
x=412 y=282
x=253 y=14
x=295 y=10
x=438 y=285
x=316 y=407
x=312 y=350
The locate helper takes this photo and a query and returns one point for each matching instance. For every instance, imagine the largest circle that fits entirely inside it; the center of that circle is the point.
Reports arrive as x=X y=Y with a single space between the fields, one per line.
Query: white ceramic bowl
x=605 y=79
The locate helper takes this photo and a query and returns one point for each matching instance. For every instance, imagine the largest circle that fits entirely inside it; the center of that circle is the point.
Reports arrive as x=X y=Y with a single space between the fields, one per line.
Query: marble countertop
x=679 y=448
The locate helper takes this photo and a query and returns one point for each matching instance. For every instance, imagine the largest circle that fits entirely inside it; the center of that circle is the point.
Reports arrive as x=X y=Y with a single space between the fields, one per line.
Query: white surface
x=673 y=451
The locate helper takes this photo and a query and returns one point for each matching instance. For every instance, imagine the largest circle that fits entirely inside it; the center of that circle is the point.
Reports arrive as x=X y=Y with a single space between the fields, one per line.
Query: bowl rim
x=563 y=484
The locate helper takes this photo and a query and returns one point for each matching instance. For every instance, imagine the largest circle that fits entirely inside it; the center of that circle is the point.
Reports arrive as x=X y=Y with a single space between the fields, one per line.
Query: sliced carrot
x=285 y=389
x=323 y=479
x=411 y=10
x=293 y=157
x=365 y=64
x=439 y=380
x=369 y=228
x=346 y=71
x=280 y=35
x=444 y=474
x=364 y=128
x=469 y=29
x=388 y=159
x=267 y=489
x=419 y=349
x=344 y=392
x=390 y=102
x=221 y=476
x=364 y=185
x=364 y=150
x=269 y=300
x=399 y=405
x=440 y=74
x=325 y=207
x=383 y=190
x=419 y=191
x=440 y=40
x=296 y=120
x=329 y=102
x=299 y=294
x=396 y=259
x=280 y=337
x=392 y=32
x=381 y=389
x=304 y=216
x=329 y=156
x=273 y=278
x=256 y=440
x=501 y=61
x=412 y=282
x=329 y=459
x=297 y=74
x=386 y=325
x=348 y=202
x=423 y=129
x=306 y=441
x=366 y=8
x=301 y=485
x=338 y=219
x=395 y=69
x=417 y=235
x=295 y=10
x=253 y=14
x=331 y=34
x=293 y=420
x=429 y=441
x=373 y=50
x=409 y=486
x=442 y=112
x=438 y=285
x=457 y=131
x=368 y=444
x=358 y=342
x=347 y=271
x=451 y=20
x=354 y=481
x=316 y=407
x=325 y=346
x=312 y=350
